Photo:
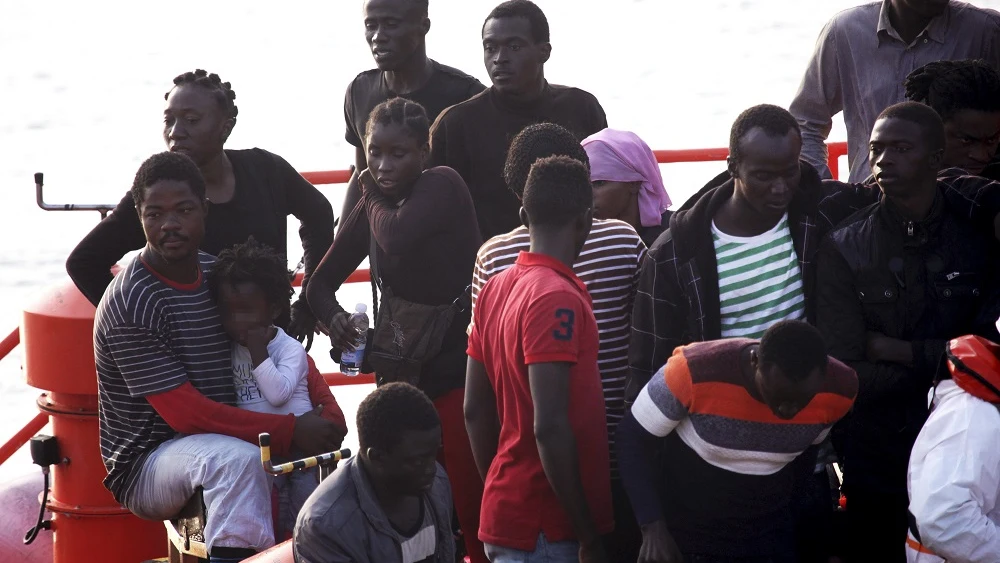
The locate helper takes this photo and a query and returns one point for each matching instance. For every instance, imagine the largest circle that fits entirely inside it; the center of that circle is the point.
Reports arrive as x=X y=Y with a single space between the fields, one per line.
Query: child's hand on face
x=257 y=340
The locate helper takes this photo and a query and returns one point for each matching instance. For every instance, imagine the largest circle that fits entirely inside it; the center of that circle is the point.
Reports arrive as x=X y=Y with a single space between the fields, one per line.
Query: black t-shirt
x=446 y=87
x=473 y=138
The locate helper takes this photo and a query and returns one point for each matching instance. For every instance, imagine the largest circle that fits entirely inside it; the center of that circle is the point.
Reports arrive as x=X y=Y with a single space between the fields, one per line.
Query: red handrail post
x=10 y=342
x=834 y=152
x=22 y=436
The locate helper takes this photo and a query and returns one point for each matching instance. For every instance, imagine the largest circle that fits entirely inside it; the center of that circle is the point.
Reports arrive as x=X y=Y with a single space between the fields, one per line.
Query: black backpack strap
x=911 y=523
x=960 y=365
x=373 y=272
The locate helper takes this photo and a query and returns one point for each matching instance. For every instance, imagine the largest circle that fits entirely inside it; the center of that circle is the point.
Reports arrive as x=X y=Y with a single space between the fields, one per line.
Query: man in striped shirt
x=742 y=420
x=740 y=254
x=165 y=384
x=608 y=265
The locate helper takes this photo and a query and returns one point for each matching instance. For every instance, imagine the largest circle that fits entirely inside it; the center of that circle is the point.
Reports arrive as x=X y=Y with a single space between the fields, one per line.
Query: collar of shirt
x=533 y=259
x=936 y=30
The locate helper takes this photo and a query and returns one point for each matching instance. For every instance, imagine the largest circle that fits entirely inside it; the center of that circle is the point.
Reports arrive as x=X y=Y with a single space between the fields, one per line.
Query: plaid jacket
x=677 y=301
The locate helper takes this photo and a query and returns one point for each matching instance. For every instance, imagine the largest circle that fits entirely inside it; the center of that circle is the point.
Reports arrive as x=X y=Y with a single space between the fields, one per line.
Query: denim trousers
x=545 y=552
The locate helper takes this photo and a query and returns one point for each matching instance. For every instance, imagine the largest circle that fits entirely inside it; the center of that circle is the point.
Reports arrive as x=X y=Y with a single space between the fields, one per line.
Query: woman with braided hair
x=251 y=193
x=426 y=235
x=966 y=94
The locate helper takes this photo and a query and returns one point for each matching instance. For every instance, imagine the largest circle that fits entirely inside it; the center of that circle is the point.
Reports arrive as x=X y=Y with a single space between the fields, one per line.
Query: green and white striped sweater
x=759 y=280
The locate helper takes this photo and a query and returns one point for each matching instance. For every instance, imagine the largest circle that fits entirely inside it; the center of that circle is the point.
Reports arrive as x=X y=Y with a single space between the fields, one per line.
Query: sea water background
x=82 y=83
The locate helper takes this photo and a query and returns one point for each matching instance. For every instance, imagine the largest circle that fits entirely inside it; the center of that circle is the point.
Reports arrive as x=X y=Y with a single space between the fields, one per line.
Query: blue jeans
x=545 y=552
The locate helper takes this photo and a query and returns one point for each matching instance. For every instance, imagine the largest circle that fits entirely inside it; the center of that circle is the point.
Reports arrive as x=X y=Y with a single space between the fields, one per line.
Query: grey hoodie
x=343 y=522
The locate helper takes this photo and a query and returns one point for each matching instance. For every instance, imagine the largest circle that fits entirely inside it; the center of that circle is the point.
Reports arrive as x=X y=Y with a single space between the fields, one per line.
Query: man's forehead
x=896 y=130
x=507 y=28
x=761 y=146
x=416 y=441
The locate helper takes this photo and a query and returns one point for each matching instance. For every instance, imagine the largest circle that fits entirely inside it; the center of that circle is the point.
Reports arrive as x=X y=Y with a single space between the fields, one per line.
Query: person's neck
x=737 y=218
x=387 y=498
x=632 y=216
x=555 y=243
x=526 y=98
x=218 y=174
x=907 y=23
x=183 y=272
x=411 y=75
x=917 y=206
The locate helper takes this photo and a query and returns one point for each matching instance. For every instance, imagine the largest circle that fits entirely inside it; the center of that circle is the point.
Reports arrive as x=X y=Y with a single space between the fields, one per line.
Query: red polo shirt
x=538 y=311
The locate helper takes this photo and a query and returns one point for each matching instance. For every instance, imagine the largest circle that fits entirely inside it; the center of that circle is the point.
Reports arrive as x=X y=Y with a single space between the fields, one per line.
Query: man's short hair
x=390 y=410
x=775 y=121
x=167 y=166
x=523 y=9
x=952 y=86
x=794 y=346
x=558 y=191
x=537 y=141
x=923 y=116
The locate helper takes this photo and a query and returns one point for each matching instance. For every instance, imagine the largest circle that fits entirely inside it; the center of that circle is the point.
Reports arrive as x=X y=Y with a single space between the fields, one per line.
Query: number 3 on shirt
x=565 y=318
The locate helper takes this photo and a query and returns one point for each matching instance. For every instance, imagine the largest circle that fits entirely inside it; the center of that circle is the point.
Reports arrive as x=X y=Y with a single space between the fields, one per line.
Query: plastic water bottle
x=350 y=361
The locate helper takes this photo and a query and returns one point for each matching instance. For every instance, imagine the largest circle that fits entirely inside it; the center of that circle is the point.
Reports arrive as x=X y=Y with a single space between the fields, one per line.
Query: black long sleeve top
x=426 y=250
x=268 y=189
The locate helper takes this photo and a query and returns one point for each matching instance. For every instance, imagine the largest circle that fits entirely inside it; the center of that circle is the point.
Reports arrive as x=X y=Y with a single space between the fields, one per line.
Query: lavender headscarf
x=621 y=156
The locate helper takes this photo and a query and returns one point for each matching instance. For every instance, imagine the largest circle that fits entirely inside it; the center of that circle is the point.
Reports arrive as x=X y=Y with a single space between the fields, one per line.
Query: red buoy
x=88 y=524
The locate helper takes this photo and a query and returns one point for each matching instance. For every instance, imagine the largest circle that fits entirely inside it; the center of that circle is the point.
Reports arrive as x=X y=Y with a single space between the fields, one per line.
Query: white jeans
x=237 y=491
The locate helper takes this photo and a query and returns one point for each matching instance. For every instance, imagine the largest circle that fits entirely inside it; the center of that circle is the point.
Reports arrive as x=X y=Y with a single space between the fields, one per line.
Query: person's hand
x=257 y=340
x=314 y=435
x=342 y=334
x=303 y=324
x=658 y=546
x=882 y=348
x=873 y=346
x=367 y=183
x=593 y=552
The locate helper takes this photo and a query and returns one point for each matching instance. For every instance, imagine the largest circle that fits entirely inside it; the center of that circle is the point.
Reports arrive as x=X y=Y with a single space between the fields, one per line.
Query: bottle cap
x=361 y=308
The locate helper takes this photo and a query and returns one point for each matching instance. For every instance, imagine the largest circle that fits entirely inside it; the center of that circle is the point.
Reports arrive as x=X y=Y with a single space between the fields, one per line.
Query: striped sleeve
x=146 y=365
x=494 y=256
x=663 y=403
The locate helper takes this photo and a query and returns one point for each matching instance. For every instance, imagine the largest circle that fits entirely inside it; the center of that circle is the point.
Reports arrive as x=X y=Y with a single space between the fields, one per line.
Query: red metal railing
x=836 y=150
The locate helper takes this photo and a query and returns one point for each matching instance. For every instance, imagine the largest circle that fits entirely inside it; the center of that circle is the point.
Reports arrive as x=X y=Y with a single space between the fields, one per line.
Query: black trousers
x=624 y=542
x=876 y=526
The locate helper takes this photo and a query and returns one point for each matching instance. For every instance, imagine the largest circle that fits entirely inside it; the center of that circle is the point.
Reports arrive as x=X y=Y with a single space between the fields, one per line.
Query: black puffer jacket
x=923 y=282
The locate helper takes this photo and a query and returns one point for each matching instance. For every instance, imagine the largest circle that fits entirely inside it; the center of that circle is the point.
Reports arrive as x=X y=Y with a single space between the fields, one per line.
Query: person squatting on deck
x=896 y=281
x=391 y=502
x=250 y=284
x=425 y=233
x=396 y=32
x=533 y=386
x=472 y=137
x=863 y=56
x=168 y=423
x=742 y=421
x=608 y=265
x=250 y=193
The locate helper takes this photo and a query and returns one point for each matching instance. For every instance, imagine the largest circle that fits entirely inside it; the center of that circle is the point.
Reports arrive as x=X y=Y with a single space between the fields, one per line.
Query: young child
x=251 y=285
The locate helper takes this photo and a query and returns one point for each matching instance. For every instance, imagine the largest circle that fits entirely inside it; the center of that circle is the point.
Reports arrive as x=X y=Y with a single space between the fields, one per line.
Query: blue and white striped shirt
x=151 y=336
